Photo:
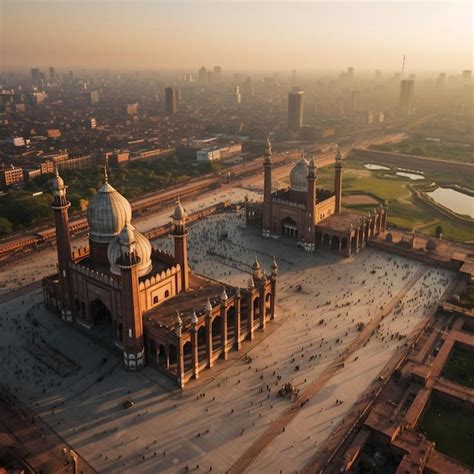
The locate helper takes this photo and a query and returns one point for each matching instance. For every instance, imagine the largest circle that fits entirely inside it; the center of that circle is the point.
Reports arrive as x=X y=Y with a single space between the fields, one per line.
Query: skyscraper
x=202 y=74
x=52 y=74
x=354 y=100
x=350 y=73
x=35 y=77
x=407 y=89
x=440 y=82
x=94 y=97
x=217 y=73
x=170 y=99
x=295 y=110
x=237 y=95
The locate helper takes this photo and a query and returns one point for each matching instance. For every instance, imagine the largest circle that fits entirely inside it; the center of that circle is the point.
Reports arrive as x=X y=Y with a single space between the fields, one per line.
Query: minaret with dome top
x=63 y=237
x=180 y=236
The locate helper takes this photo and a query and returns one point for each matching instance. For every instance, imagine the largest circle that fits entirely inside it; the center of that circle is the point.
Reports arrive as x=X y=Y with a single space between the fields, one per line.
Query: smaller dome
x=58 y=182
x=298 y=175
x=126 y=236
x=179 y=212
x=129 y=236
x=431 y=245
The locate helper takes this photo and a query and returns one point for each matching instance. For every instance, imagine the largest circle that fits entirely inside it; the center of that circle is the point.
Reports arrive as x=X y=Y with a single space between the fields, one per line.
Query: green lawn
x=404 y=210
x=416 y=145
x=460 y=367
x=451 y=427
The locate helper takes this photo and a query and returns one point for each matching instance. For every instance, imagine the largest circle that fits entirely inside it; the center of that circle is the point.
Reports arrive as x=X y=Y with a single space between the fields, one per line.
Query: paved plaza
x=78 y=385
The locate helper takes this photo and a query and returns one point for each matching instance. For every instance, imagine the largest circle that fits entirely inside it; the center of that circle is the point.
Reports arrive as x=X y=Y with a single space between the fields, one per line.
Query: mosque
x=151 y=305
x=313 y=216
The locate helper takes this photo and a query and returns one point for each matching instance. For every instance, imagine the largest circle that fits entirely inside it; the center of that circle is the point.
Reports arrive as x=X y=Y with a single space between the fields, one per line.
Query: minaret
x=132 y=322
x=267 y=191
x=180 y=234
x=338 y=181
x=309 y=234
x=63 y=243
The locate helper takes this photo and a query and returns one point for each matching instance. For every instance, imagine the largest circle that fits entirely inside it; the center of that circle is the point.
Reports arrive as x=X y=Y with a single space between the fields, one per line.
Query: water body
x=371 y=166
x=412 y=176
x=456 y=201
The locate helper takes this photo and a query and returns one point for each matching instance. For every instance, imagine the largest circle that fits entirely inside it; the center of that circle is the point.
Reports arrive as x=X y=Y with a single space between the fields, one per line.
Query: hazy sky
x=238 y=35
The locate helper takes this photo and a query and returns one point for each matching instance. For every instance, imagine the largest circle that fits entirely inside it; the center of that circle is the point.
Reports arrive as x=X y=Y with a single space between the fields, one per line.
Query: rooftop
x=340 y=222
x=200 y=289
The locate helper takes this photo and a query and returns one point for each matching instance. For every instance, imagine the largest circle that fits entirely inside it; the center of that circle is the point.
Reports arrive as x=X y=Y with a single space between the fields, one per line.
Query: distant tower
x=36 y=77
x=295 y=110
x=267 y=191
x=63 y=243
x=132 y=322
x=309 y=234
x=180 y=235
x=407 y=88
x=338 y=181
x=170 y=99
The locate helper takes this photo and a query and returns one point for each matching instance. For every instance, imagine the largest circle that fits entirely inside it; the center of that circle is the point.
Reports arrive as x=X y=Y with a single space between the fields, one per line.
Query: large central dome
x=298 y=176
x=108 y=214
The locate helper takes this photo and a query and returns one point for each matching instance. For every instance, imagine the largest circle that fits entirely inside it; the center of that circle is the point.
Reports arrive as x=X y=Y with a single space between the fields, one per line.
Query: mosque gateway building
x=147 y=303
x=310 y=215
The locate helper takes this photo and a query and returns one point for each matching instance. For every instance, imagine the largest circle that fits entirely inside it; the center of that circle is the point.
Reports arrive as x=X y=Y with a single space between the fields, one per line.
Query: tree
x=438 y=231
x=6 y=227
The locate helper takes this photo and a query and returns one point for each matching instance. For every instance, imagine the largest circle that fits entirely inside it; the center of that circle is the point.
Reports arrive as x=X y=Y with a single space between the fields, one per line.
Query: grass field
x=405 y=211
x=451 y=427
x=460 y=367
x=416 y=145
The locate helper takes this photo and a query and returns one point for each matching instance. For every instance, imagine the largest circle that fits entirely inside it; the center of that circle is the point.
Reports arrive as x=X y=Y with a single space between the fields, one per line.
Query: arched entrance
x=202 y=352
x=100 y=314
x=335 y=243
x=289 y=228
x=268 y=305
x=326 y=241
x=216 y=334
x=343 y=243
x=173 y=358
x=188 y=357
x=162 y=359
x=231 y=324
x=256 y=309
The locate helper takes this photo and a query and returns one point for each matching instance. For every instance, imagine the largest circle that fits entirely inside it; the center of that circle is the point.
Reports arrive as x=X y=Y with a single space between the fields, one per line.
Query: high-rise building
x=407 y=89
x=378 y=74
x=467 y=74
x=217 y=73
x=350 y=73
x=52 y=74
x=293 y=76
x=35 y=77
x=440 y=82
x=295 y=110
x=94 y=97
x=202 y=74
x=170 y=100
x=237 y=95
x=354 y=100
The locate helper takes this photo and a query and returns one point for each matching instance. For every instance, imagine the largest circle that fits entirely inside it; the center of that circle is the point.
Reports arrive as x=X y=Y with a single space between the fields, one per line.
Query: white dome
x=108 y=213
x=298 y=176
x=129 y=235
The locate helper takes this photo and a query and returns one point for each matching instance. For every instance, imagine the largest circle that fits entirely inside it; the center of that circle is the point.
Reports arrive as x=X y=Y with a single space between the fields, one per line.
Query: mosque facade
x=149 y=303
x=313 y=216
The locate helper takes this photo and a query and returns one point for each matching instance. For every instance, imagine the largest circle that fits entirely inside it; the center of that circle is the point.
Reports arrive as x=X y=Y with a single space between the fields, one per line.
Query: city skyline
x=261 y=36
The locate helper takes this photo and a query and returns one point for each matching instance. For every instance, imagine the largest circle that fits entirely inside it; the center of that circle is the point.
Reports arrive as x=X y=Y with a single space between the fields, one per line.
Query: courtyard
x=78 y=386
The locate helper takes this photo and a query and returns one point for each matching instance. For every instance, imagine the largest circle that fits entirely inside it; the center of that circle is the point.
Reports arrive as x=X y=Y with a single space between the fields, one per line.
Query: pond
x=371 y=166
x=456 y=201
x=412 y=176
